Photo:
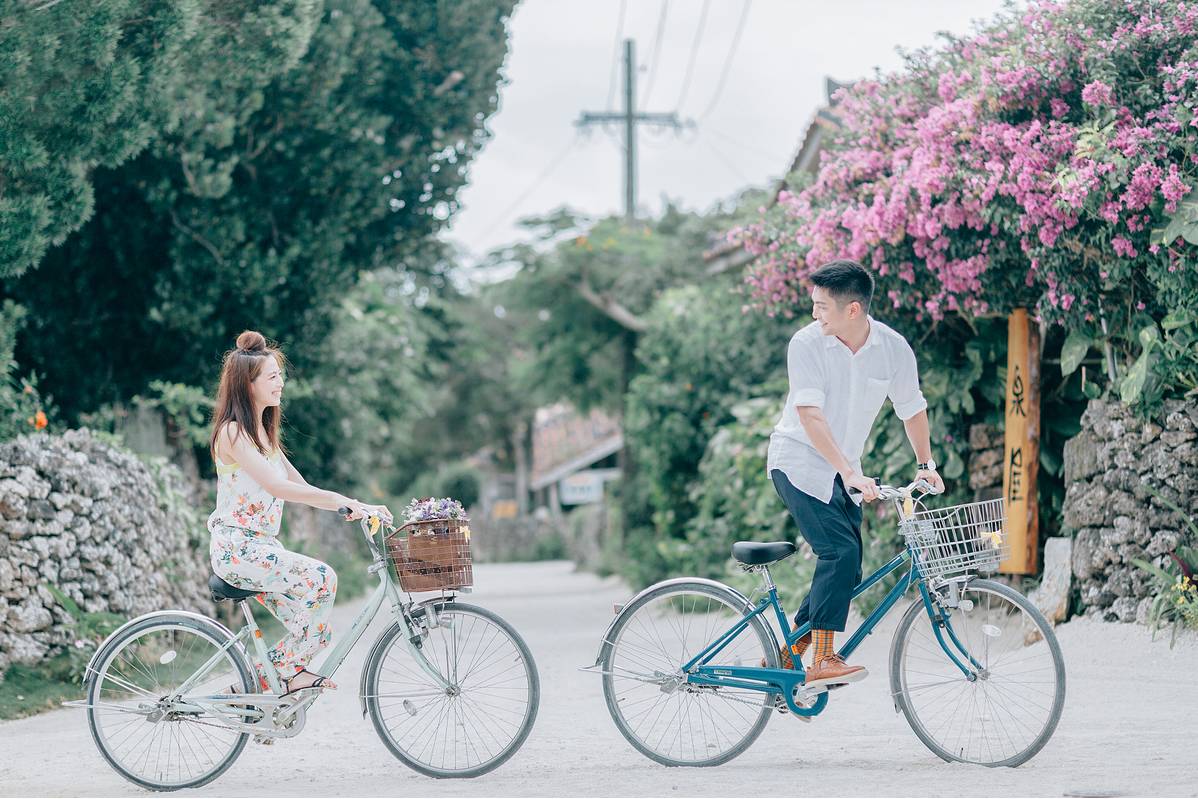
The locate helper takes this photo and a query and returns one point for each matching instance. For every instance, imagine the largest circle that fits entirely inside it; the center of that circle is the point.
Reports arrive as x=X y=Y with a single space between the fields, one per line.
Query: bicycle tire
x=372 y=677
x=734 y=602
x=900 y=689
x=205 y=627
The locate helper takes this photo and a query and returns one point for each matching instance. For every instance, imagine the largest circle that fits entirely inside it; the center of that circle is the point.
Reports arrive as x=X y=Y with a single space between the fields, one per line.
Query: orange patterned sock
x=787 y=656
x=823 y=644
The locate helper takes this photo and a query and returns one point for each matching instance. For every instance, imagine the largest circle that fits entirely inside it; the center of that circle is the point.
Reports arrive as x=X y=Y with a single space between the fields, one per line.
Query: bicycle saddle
x=756 y=553
x=222 y=590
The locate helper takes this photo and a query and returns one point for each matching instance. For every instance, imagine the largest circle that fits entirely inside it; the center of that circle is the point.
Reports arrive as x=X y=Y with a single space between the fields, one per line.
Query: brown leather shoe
x=785 y=659
x=833 y=671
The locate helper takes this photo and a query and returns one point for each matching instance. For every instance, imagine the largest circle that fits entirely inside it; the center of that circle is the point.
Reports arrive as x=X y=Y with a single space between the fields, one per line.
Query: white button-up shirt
x=850 y=388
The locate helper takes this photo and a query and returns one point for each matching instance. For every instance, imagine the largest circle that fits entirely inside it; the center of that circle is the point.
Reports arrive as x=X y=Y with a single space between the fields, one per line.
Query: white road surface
x=1130 y=726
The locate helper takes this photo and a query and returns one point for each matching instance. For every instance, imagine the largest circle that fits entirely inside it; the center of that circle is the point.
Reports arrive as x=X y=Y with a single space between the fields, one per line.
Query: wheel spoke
x=476 y=723
x=683 y=724
x=1008 y=712
x=141 y=737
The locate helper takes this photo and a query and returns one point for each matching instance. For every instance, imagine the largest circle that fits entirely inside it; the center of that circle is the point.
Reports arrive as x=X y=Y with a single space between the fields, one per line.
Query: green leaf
x=67 y=603
x=1176 y=319
x=1133 y=381
x=954 y=467
x=1050 y=461
x=1148 y=336
x=1154 y=570
x=1076 y=345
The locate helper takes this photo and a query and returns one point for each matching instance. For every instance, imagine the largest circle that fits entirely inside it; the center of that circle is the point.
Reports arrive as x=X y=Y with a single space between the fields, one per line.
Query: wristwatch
x=930 y=466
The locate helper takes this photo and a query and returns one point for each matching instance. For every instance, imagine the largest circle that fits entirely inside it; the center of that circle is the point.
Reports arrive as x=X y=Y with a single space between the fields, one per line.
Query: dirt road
x=1129 y=727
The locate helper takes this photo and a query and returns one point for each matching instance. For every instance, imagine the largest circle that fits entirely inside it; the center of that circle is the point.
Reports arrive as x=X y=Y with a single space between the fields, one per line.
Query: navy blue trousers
x=833 y=529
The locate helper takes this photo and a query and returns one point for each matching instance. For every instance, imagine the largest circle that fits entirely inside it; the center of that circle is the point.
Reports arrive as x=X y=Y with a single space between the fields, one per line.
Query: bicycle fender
x=91 y=664
x=737 y=595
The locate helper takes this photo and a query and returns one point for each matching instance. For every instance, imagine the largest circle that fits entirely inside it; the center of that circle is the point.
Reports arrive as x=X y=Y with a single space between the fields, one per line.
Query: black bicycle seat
x=222 y=590
x=756 y=553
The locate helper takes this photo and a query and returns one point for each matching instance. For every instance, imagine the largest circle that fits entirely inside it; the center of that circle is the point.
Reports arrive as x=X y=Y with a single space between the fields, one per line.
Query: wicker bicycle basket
x=431 y=555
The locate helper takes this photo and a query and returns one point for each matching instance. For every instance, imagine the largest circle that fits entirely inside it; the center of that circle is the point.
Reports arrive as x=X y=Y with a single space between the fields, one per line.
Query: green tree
x=264 y=217
x=583 y=291
x=89 y=85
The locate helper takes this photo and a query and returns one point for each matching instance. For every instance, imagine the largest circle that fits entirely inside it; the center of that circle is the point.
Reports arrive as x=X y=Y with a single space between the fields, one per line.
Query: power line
x=514 y=205
x=773 y=157
x=690 y=63
x=726 y=161
x=655 y=57
x=615 y=56
x=719 y=88
x=631 y=119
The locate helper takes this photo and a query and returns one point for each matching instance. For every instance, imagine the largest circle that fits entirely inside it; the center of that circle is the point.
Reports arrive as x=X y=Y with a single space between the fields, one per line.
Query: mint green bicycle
x=451 y=688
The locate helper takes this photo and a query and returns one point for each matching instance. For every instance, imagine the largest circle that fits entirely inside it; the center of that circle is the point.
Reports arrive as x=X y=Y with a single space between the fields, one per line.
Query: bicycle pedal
x=265 y=740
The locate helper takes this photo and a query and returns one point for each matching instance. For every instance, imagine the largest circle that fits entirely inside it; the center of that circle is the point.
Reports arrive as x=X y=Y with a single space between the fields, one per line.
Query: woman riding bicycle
x=254 y=479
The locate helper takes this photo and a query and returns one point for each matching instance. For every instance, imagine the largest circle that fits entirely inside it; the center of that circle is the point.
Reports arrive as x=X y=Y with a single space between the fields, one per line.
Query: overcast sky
x=561 y=62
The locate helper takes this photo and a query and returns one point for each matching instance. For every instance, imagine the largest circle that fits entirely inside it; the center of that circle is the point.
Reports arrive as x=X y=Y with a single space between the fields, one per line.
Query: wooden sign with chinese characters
x=1022 y=451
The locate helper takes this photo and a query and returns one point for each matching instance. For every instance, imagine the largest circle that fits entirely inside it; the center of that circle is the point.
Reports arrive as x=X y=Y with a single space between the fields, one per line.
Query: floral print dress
x=245 y=552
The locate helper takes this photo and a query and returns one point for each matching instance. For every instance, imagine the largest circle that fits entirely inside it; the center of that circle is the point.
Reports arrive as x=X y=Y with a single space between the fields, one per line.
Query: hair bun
x=251 y=341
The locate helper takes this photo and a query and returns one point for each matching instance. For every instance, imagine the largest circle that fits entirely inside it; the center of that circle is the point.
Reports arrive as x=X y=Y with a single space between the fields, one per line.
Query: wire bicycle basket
x=959 y=540
x=429 y=555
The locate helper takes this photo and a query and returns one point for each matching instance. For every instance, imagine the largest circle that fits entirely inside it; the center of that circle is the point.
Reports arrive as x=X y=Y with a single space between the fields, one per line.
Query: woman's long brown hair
x=234 y=399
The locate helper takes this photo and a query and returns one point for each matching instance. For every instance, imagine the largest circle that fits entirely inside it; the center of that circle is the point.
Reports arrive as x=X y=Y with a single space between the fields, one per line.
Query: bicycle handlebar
x=344 y=511
x=891 y=492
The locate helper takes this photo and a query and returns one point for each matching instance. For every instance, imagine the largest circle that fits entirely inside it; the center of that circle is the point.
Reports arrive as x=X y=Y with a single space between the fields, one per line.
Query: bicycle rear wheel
x=1006 y=715
x=665 y=718
x=133 y=728
x=485 y=714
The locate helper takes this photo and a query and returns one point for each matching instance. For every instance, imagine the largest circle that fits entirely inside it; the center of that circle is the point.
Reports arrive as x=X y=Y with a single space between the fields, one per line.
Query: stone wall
x=986 y=447
x=112 y=532
x=1109 y=467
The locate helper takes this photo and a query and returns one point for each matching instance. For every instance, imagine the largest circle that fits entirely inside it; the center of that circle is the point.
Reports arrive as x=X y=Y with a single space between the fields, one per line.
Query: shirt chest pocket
x=874 y=394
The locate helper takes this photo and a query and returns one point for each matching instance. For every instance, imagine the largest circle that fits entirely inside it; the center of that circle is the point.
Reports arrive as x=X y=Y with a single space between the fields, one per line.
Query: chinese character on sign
x=1017 y=394
x=1015 y=467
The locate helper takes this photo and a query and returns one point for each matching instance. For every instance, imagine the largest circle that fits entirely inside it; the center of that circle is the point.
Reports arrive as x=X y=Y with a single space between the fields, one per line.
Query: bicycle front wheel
x=480 y=718
x=137 y=731
x=1006 y=715
x=664 y=717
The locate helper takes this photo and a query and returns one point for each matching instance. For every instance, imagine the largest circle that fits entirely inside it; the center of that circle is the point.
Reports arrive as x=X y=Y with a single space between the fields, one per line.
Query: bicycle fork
x=942 y=626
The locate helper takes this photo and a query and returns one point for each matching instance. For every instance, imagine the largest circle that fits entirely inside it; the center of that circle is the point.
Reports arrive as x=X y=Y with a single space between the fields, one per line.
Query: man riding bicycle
x=841 y=368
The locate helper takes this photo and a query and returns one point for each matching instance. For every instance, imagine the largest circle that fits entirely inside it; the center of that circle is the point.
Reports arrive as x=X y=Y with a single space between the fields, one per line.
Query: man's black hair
x=846 y=281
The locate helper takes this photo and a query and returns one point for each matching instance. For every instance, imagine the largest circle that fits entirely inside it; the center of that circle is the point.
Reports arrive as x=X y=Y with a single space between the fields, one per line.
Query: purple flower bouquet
x=430 y=508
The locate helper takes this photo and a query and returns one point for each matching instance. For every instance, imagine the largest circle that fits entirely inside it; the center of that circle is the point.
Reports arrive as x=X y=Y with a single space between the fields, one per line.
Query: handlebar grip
x=877 y=482
x=344 y=511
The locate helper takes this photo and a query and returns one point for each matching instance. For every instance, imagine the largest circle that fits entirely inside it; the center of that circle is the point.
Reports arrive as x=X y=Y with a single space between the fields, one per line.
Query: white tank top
x=242 y=502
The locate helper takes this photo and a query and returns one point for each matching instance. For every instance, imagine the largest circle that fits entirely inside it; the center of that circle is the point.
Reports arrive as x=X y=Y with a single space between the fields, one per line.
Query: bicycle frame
x=785 y=681
x=250 y=637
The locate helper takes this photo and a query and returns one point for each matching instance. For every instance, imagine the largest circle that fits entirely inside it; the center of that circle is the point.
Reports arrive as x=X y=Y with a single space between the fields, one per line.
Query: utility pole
x=630 y=118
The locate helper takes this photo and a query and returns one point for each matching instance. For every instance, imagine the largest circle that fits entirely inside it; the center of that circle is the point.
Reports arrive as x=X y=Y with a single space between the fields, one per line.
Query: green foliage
x=22 y=408
x=187 y=409
x=89 y=630
x=352 y=408
x=700 y=357
x=460 y=481
x=90 y=85
x=28 y=690
x=302 y=161
x=1168 y=357
x=1176 y=602
x=582 y=292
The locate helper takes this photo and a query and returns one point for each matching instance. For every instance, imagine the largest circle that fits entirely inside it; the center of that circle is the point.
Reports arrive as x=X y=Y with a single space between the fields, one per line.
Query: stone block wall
x=1109 y=469
x=94 y=520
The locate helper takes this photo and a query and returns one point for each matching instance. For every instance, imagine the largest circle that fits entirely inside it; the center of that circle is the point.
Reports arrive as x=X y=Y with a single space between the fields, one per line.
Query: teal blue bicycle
x=974 y=666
